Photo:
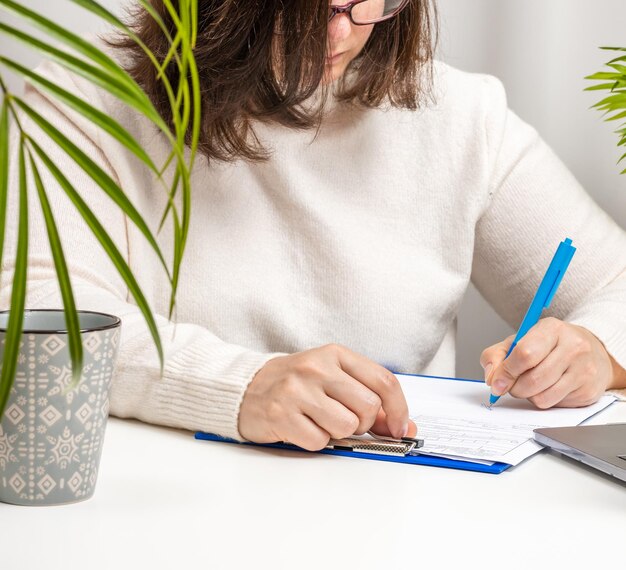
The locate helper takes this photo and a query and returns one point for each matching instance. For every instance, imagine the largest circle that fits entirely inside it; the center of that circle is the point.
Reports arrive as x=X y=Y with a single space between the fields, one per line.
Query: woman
x=351 y=190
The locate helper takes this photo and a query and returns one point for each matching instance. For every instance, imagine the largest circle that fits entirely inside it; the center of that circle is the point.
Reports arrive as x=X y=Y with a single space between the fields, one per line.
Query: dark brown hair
x=262 y=59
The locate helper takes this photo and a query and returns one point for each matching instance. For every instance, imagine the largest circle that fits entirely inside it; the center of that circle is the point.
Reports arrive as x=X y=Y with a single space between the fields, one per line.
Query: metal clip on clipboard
x=377 y=446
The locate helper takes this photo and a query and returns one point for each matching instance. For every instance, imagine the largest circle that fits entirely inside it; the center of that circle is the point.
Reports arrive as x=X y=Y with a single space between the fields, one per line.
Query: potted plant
x=25 y=459
x=614 y=105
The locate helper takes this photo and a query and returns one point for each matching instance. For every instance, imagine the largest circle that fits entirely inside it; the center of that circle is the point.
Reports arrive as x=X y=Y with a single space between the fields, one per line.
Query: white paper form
x=453 y=422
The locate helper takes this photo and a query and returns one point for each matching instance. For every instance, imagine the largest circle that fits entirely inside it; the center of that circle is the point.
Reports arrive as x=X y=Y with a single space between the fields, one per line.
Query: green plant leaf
x=609 y=108
x=613 y=106
x=170 y=204
x=63 y=276
x=4 y=172
x=104 y=121
x=107 y=243
x=71 y=40
x=603 y=75
x=180 y=123
x=187 y=95
x=182 y=98
x=5 y=379
x=617 y=117
x=109 y=17
x=103 y=71
x=177 y=262
x=620 y=58
x=18 y=293
x=602 y=86
x=100 y=11
x=619 y=68
x=113 y=81
x=97 y=174
x=612 y=101
x=171 y=54
x=194 y=22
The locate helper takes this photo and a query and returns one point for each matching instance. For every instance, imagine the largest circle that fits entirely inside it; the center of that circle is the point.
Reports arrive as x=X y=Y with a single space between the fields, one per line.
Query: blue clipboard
x=496 y=468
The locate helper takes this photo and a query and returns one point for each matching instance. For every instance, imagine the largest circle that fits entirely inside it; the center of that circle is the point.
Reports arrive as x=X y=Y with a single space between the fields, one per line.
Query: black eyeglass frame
x=347 y=9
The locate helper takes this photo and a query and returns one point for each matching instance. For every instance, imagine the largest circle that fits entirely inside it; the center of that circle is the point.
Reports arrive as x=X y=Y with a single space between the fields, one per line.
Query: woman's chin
x=332 y=73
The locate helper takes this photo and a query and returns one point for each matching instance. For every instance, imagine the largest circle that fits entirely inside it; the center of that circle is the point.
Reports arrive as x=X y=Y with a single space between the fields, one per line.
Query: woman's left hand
x=554 y=364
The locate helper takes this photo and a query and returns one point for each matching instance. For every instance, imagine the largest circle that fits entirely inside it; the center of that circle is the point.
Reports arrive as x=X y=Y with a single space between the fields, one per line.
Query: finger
x=384 y=384
x=493 y=355
x=533 y=348
x=304 y=432
x=547 y=373
x=359 y=399
x=556 y=393
x=584 y=395
x=330 y=415
x=380 y=426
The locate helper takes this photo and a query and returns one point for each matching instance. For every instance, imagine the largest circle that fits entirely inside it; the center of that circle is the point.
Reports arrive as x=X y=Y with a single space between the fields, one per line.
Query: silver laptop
x=601 y=447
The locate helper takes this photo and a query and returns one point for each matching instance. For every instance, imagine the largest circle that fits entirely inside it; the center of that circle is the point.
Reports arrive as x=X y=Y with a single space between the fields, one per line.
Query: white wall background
x=541 y=50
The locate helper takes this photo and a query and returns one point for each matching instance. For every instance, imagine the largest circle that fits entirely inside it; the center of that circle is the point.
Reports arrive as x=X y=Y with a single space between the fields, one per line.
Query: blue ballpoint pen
x=543 y=296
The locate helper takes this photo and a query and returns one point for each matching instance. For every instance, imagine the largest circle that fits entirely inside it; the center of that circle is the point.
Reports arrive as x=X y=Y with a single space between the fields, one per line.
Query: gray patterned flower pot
x=51 y=438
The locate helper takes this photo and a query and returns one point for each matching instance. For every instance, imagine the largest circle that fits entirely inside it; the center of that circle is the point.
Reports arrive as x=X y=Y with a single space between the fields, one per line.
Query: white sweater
x=367 y=235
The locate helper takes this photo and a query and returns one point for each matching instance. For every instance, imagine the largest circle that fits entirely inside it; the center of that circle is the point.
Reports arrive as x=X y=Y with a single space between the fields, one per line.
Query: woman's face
x=345 y=42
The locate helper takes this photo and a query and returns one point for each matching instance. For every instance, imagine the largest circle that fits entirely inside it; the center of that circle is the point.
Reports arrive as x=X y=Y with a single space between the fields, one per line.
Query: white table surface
x=167 y=501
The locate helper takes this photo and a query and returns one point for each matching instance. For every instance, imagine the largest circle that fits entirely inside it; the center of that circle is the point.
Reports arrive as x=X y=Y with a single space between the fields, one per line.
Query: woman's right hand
x=308 y=397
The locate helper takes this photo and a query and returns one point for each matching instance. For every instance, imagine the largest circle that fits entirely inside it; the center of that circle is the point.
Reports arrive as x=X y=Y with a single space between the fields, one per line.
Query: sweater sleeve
x=204 y=378
x=535 y=202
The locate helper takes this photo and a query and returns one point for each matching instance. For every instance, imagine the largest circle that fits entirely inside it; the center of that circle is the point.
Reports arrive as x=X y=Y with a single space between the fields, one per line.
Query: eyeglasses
x=366 y=12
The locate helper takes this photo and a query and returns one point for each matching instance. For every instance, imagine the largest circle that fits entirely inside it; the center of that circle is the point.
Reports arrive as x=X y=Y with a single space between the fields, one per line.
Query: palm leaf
x=617 y=117
x=106 y=242
x=171 y=54
x=603 y=75
x=97 y=174
x=170 y=204
x=187 y=72
x=63 y=276
x=86 y=60
x=5 y=380
x=4 y=172
x=606 y=86
x=183 y=175
x=611 y=102
x=109 y=17
x=73 y=41
x=104 y=121
x=18 y=294
x=111 y=82
x=181 y=123
x=614 y=106
x=621 y=69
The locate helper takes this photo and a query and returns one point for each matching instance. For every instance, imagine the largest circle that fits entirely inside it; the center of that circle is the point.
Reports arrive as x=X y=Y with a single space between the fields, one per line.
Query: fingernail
x=499 y=386
x=405 y=430
x=488 y=370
